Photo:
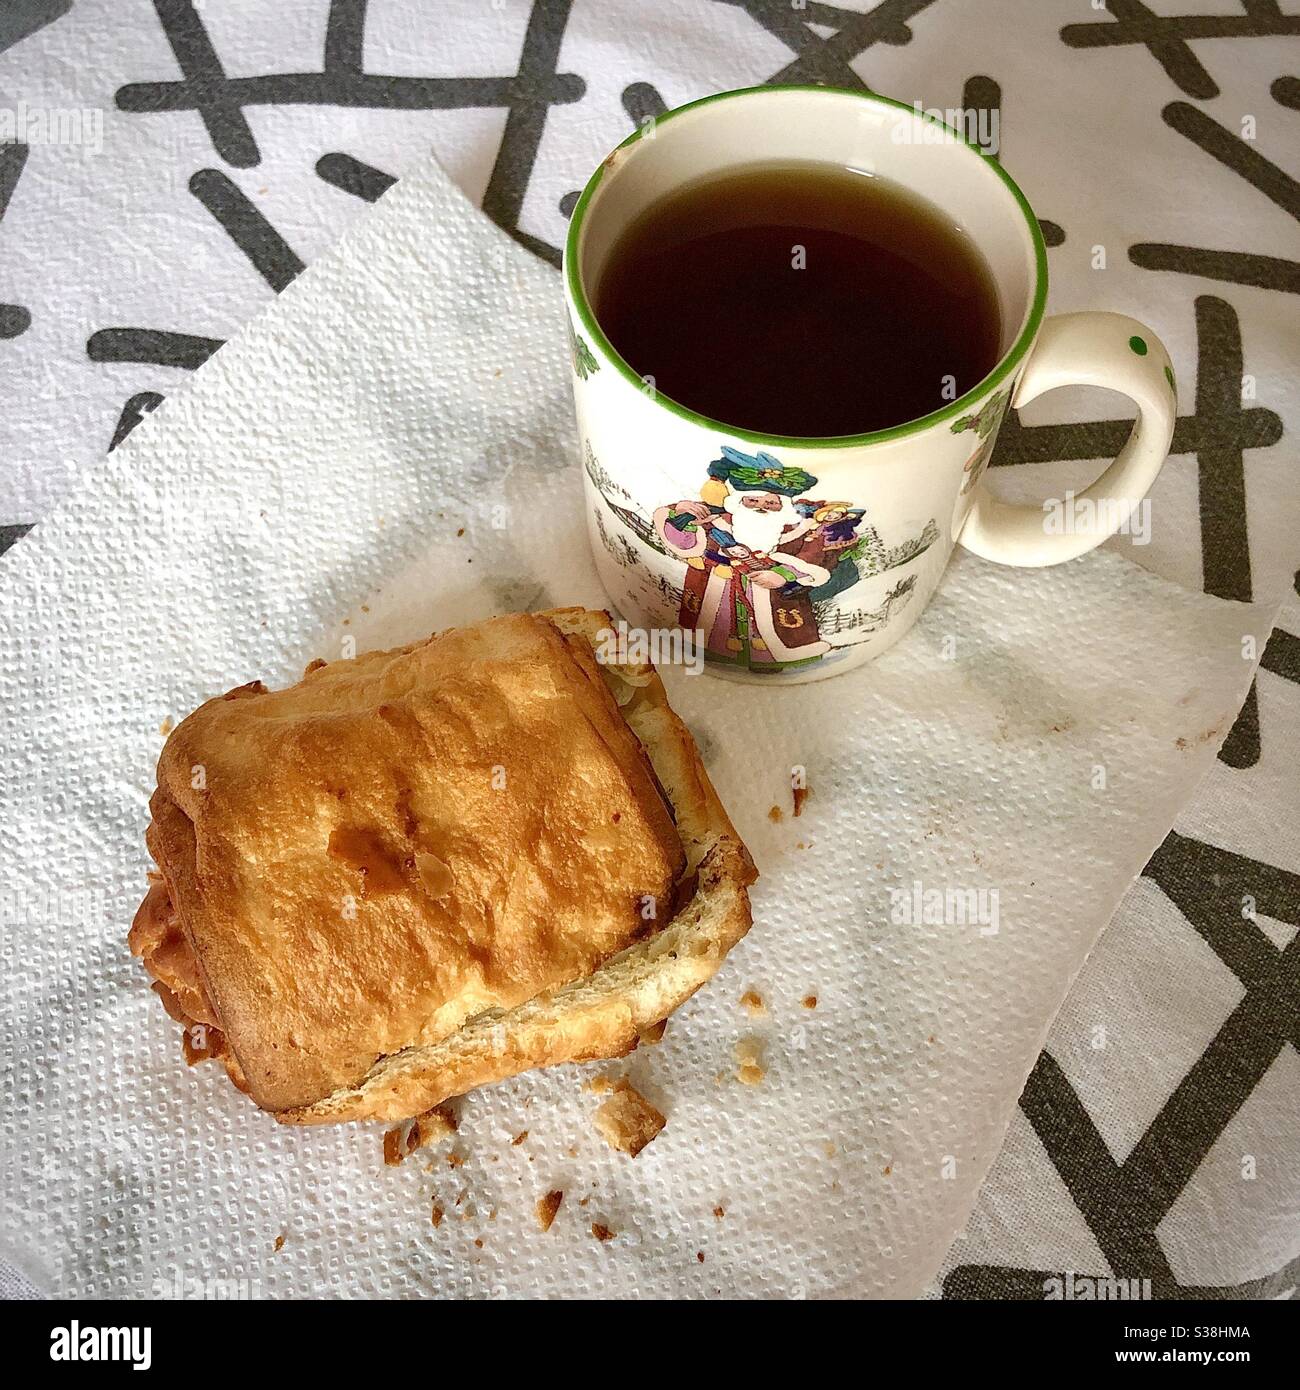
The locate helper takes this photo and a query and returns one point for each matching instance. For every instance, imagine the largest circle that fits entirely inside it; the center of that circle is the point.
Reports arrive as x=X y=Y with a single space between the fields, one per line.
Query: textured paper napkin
x=387 y=450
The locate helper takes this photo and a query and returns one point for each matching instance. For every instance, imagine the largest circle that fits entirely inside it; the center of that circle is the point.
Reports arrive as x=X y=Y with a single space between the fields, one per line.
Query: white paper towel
x=400 y=418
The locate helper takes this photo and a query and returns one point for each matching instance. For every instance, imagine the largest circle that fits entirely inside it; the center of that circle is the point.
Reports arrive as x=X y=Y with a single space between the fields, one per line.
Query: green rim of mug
x=1006 y=365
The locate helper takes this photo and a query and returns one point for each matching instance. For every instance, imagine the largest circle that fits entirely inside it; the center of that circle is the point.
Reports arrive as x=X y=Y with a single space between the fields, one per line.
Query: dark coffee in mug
x=801 y=299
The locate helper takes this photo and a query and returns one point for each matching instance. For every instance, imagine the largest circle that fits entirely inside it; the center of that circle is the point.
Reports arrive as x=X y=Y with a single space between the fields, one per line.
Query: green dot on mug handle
x=1138 y=345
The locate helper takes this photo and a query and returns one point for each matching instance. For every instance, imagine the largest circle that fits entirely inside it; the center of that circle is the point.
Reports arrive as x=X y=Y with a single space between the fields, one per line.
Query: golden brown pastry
x=426 y=869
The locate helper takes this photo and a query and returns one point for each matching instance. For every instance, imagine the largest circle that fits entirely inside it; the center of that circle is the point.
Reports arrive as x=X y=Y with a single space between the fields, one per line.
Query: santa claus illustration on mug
x=755 y=545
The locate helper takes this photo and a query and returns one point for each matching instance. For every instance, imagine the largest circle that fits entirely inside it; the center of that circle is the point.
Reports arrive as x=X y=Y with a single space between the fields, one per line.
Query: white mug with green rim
x=793 y=558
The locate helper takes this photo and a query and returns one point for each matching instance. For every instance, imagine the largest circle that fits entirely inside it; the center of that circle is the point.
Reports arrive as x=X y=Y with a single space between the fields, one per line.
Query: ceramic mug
x=791 y=558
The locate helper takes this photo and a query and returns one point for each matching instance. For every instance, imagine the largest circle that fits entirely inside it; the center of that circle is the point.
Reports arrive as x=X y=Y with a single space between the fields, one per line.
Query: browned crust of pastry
x=591 y=1019
x=597 y=1015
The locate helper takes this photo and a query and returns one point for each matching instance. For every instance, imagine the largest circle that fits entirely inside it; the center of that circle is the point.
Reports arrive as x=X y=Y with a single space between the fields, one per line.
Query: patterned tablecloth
x=166 y=167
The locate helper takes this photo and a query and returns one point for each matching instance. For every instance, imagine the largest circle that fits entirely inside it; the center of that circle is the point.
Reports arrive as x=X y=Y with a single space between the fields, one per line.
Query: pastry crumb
x=279 y=1242
x=602 y=1233
x=455 y=1160
x=653 y=1035
x=627 y=1121
x=753 y=1004
x=889 y=1168
x=776 y=815
x=598 y=1085
x=809 y=1001
x=547 y=1206
x=166 y=726
x=404 y=1139
x=435 y=1124
x=749 y=1069
x=699 y=1255
x=479 y=1243
x=519 y=1139
x=800 y=794
x=719 y=1212
x=436 y=1215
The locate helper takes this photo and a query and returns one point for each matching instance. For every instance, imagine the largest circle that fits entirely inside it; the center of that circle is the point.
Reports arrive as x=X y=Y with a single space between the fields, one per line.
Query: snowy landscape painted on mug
x=772 y=568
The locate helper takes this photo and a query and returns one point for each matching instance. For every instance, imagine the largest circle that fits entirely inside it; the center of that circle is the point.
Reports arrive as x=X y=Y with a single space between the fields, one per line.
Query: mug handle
x=1085 y=349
